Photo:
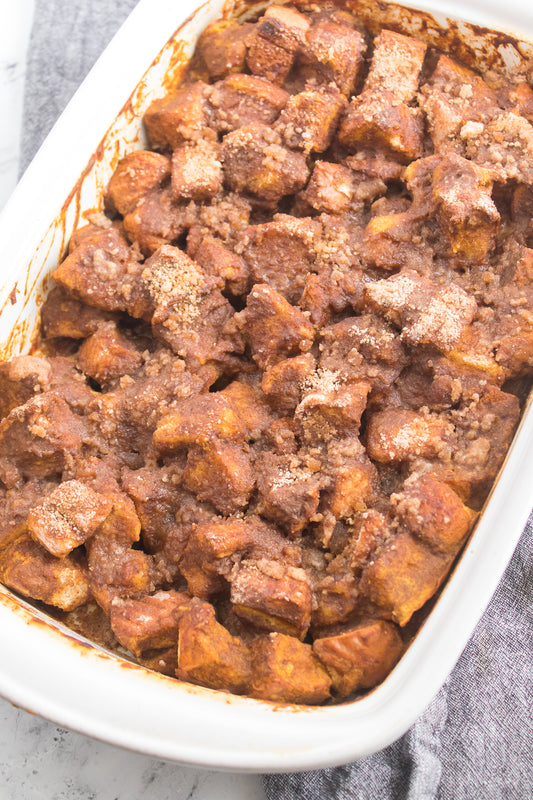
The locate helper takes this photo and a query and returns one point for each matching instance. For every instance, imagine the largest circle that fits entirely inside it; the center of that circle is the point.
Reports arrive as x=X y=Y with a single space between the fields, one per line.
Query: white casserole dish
x=49 y=670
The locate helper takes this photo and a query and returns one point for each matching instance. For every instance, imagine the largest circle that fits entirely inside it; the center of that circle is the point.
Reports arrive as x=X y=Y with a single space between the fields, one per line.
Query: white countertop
x=38 y=760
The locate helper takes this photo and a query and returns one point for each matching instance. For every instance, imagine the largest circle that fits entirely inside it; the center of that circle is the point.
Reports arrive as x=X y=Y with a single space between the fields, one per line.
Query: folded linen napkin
x=476 y=738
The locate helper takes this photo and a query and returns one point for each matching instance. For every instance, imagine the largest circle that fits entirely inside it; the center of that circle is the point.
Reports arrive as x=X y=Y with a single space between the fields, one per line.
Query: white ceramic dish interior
x=49 y=670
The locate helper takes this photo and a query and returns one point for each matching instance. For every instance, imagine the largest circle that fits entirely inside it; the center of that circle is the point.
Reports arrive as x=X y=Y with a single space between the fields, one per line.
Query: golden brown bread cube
x=289 y=490
x=150 y=622
x=15 y=506
x=281 y=253
x=196 y=170
x=333 y=53
x=67 y=517
x=219 y=261
x=377 y=119
x=107 y=354
x=215 y=546
x=285 y=670
x=242 y=100
x=220 y=473
x=457 y=102
x=43 y=437
x=282 y=383
x=180 y=117
x=209 y=655
x=465 y=212
x=396 y=64
x=250 y=404
x=63 y=315
x=103 y=272
x=360 y=657
x=309 y=120
x=354 y=483
x=190 y=311
x=198 y=420
x=327 y=413
x=257 y=163
x=116 y=570
x=135 y=175
x=330 y=188
x=273 y=328
x=155 y=221
x=403 y=576
x=399 y=434
x=274 y=42
x=428 y=313
x=432 y=511
x=222 y=47
x=28 y=568
x=272 y=596
x=21 y=378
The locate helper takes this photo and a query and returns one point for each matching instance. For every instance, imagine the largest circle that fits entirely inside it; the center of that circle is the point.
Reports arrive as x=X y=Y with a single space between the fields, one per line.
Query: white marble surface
x=38 y=760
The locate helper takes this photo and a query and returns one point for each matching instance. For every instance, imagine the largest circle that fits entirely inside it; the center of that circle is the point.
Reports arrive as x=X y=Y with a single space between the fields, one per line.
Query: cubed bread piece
x=256 y=162
x=103 y=272
x=396 y=64
x=221 y=262
x=465 y=212
x=155 y=221
x=333 y=53
x=432 y=511
x=399 y=434
x=136 y=174
x=361 y=657
x=209 y=655
x=180 y=117
x=215 y=546
x=274 y=42
x=197 y=420
x=363 y=348
x=67 y=517
x=285 y=670
x=330 y=188
x=393 y=241
x=117 y=571
x=282 y=383
x=289 y=490
x=43 y=437
x=376 y=119
x=272 y=596
x=242 y=100
x=28 y=568
x=15 y=506
x=453 y=99
x=63 y=315
x=107 y=355
x=309 y=120
x=331 y=410
x=504 y=145
x=403 y=576
x=273 y=328
x=354 y=482
x=282 y=252
x=220 y=473
x=20 y=378
x=331 y=291
x=190 y=311
x=250 y=405
x=196 y=170
x=222 y=47
x=150 y=622
x=427 y=313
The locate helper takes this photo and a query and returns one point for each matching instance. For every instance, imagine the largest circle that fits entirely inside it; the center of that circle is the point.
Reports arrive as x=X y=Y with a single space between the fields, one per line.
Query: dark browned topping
x=285 y=368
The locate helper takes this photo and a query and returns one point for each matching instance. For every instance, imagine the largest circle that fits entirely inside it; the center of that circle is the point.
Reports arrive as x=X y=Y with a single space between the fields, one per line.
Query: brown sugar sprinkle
x=320 y=402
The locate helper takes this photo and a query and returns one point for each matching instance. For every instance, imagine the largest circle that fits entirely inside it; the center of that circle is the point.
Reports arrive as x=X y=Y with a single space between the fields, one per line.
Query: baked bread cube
x=222 y=47
x=310 y=118
x=242 y=100
x=180 y=117
x=275 y=41
x=396 y=64
x=333 y=53
x=285 y=670
x=256 y=162
x=136 y=174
